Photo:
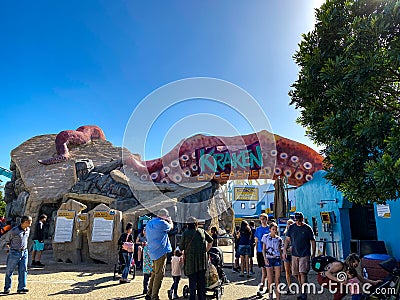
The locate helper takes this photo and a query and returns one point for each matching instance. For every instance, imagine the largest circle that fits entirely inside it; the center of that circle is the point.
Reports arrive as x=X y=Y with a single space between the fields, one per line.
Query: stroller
x=215 y=256
x=119 y=266
x=390 y=287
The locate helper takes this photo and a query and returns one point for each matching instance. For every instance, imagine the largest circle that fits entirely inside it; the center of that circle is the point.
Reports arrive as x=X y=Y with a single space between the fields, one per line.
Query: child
x=272 y=251
x=146 y=267
x=176 y=263
x=354 y=284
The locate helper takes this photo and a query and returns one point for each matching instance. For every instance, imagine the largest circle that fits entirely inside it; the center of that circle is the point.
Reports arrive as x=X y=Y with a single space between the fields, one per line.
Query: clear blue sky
x=70 y=63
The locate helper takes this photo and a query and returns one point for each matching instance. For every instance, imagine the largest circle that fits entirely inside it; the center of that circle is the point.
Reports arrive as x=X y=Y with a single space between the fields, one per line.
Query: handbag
x=128 y=246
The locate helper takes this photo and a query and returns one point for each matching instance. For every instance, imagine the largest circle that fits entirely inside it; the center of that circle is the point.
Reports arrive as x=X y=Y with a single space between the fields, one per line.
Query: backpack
x=319 y=263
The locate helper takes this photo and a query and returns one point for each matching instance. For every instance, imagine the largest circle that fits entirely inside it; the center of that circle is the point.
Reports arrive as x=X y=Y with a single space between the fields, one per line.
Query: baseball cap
x=163 y=213
x=298 y=216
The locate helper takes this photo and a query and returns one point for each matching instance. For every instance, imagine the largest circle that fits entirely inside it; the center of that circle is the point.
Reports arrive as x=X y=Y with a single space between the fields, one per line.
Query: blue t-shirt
x=260 y=231
x=300 y=237
x=157 y=238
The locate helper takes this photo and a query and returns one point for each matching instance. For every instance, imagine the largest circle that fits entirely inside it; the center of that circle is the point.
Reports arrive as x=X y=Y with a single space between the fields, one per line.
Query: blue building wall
x=308 y=199
x=387 y=229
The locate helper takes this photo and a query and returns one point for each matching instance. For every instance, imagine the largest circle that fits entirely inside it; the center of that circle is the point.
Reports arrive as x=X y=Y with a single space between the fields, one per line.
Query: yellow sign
x=104 y=214
x=326 y=217
x=68 y=214
x=82 y=217
x=246 y=194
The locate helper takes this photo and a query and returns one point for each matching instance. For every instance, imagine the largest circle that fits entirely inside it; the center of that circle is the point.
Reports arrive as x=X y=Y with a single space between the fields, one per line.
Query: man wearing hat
x=301 y=237
x=159 y=245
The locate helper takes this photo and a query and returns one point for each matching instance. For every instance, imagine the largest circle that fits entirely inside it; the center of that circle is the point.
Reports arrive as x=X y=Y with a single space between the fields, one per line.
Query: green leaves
x=348 y=91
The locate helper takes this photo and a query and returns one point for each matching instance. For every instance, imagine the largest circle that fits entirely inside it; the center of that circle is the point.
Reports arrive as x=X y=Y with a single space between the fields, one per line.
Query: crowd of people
x=294 y=251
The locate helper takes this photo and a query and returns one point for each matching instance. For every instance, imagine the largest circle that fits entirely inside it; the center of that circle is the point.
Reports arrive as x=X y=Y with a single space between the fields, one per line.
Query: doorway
x=362 y=222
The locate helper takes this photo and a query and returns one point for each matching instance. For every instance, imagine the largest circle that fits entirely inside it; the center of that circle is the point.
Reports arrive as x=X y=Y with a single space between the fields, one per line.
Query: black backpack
x=319 y=263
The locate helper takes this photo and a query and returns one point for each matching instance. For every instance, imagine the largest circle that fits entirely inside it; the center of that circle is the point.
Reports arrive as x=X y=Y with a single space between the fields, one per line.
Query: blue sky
x=70 y=63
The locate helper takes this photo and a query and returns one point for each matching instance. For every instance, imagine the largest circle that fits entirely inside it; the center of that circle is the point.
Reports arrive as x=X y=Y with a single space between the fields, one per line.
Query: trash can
x=371 y=264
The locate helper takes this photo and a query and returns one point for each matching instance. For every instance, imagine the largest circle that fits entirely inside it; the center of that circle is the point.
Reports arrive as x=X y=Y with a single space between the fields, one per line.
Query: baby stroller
x=215 y=256
x=119 y=266
x=390 y=287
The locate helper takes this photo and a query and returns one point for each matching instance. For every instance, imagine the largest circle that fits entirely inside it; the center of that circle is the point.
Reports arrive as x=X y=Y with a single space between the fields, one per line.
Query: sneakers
x=6 y=292
x=235 y=270
x=38 y=264
x=251 y=272
x=147 y=297
x=122 y=280
x=22 y=291
x=33 y=263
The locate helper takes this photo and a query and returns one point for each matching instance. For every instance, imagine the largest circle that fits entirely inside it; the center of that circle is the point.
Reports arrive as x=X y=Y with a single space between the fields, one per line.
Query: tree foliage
x=348 y=91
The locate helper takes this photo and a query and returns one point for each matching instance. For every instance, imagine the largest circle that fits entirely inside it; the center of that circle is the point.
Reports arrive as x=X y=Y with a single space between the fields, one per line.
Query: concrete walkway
x=95 y=281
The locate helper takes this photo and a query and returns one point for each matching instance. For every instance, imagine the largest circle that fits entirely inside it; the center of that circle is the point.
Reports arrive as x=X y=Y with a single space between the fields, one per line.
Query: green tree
x=2 y=205
x=348 y=91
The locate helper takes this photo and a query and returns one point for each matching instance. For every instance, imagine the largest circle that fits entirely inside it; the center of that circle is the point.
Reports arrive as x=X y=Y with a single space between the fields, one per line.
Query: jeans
x=15 y=258
x=197 y=281
x=146 y=278
x=128 y=262
x=157 y=276
x=174 y=286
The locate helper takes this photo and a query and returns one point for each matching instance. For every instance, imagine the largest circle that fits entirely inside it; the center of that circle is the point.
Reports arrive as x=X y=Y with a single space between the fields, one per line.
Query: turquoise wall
x=308 y=197
x=388 y=229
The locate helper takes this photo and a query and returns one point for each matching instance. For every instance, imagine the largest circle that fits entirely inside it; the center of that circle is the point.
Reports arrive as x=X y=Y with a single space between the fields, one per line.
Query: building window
x=252 y=205
x=243 y=206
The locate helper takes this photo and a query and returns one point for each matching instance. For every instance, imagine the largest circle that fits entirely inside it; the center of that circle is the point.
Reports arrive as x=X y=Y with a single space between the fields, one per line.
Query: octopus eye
x=274 y=152
x=166 y=170
x=307 y=165
x=143 y=177
x=185 y=157
x=164 y=180
x=287 y=173
x=278 y=171
x=194 y=167
x=298 y=175
x=294 y=159
x=154 y=176
x=283 y=155
x=264 y=155
x=177 y=178
x=136 y=174
x=174 y=163
x=309 y=177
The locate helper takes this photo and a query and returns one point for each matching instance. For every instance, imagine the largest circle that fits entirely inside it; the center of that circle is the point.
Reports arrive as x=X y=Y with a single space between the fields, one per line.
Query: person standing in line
x=236 y=265
x=195 y=243
x=252 y=245
x=259 y=233
x=17 y=243
x=159 y=245
x=140 y=241
x=38 y=242
x=124 y=255
x=301 y=236
x=244 y=247
x=176 y=272
x=287 y=262
x=272 y=251
x=214 y=235
x=146 y=268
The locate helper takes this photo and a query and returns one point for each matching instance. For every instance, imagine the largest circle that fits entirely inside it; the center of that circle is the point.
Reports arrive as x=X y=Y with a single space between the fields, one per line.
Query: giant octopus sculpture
x=202 y=158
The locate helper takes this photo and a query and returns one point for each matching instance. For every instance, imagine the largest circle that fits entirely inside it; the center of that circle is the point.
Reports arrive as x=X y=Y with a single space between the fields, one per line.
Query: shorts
x=300 y=265
x=37 y=246
x=260 y=260
x=288 y=258
x=244 y=250
x=273 y=262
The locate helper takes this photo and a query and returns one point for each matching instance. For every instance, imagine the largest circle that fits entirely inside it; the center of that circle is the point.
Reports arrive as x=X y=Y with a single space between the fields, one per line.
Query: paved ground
x=95 y=281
